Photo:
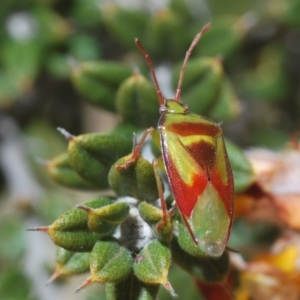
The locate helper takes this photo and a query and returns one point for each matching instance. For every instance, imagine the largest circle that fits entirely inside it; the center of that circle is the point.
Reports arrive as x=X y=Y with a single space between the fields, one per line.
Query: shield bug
x=197 y=166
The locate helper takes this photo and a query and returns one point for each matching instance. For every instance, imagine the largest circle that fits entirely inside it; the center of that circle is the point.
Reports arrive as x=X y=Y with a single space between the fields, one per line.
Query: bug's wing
x=211 y=218
x=186 y=178
x=202 y=186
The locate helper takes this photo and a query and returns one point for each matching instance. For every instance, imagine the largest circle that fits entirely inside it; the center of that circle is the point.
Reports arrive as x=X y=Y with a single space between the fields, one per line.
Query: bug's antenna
x=149 y=62
x=187 y=56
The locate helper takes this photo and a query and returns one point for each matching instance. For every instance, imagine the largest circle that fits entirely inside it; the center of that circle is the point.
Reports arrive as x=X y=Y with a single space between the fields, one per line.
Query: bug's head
x=171 y=106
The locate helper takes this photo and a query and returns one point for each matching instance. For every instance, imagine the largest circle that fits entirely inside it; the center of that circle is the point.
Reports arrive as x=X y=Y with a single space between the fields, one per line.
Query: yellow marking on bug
x=193 y=139
x=220 y=162
x=182 y=160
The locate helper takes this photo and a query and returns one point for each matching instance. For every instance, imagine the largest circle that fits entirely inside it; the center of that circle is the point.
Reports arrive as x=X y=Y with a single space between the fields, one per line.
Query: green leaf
x=109 y=262
x=136 y=101
x=153 y=216
x=152 y=264
x=86 y=13
x=53 y=27
x=78 y=263
x=165 y=35
x=182 y=10
x=223 y=38
x=242 y=171
x=84 y=47
x=137 y=180
x=70 y=231
x=62 y=256
x=267 y=80
x=70 y=263
x=21 y=62
x=98 y=81
x=60 y=170
x=124 y=24
x=106 y=218
x=131 y=289
x=227 y=106
x=150 y=213
x=186 y=242
x=202 y=83
x=205 y=268
x=92 y=155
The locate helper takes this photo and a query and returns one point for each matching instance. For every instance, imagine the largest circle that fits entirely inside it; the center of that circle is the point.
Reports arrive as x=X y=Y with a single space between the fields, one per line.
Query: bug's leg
x=136 y=150
x=231 y=250
x=188 y=226
x=166 y=214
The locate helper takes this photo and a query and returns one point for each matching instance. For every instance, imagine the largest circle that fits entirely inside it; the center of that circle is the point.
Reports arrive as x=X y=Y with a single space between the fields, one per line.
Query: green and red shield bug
x=197 y=166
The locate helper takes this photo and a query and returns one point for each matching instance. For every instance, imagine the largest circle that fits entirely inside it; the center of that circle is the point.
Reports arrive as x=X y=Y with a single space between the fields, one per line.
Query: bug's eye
x=186 y=109
x=162 y=109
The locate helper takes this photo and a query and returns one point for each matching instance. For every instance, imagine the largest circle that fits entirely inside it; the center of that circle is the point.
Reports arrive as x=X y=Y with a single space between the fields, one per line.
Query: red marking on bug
x=224 y=190
x=188 y=129
x=185 y=195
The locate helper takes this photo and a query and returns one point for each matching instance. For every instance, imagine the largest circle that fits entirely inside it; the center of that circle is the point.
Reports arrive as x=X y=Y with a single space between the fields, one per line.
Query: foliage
x=58 y=58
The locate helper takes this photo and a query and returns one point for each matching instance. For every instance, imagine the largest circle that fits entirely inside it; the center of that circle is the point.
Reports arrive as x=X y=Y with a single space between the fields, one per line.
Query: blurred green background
x=42 y=45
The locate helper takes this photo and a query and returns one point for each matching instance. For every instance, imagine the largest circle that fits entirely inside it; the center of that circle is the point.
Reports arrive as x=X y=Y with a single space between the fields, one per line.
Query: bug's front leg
x=136 y=151
x=167 y=214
